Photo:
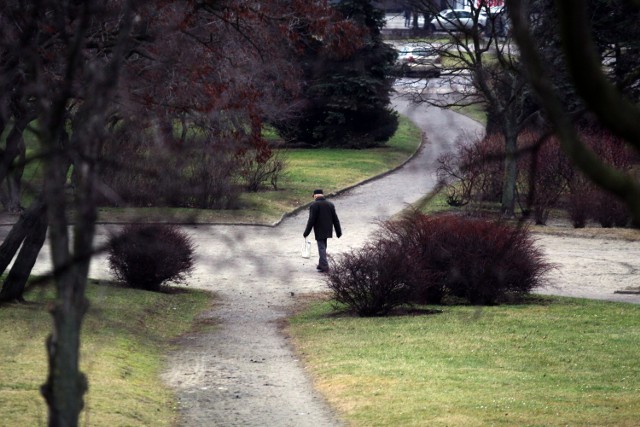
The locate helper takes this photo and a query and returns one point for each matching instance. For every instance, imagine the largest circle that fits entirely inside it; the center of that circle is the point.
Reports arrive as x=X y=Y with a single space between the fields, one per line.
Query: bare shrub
x=459 y=184
x=422 y=259
x=476 y=259
x=585 y=200
x=546 y=172
x=258 y=167
x=487 y=261
x=367 y=280
x=207 y=181
x=139 y=171
x=606 y=209
x=413 y=235
x=609 y=211
x=473 y=171
x=579 y=200
x=149 y=256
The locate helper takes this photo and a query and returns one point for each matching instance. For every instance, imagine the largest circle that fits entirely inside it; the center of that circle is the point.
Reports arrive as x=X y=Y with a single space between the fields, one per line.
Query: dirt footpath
x=243 y=372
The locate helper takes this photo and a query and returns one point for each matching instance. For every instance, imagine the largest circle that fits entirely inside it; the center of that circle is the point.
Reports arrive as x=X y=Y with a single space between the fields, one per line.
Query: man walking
x=407 y=18
x=323 y=219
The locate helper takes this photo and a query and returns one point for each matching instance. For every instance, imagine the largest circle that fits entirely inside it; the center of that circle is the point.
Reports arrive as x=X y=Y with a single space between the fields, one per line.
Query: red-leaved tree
x=83 y=76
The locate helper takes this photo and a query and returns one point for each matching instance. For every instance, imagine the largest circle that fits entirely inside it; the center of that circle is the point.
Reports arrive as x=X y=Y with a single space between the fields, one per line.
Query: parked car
x=457 y=20
x=418 y=61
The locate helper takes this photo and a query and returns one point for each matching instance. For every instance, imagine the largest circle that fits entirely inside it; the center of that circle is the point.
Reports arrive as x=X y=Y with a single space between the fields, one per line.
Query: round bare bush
x=476 y=259
x=367 y=279
x=149 y=256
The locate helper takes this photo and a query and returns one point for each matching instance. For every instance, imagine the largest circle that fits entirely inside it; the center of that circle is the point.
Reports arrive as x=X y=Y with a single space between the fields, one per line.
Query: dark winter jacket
x=323 y=218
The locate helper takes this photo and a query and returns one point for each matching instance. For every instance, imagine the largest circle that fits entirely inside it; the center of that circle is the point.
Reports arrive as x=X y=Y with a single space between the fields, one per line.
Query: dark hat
x=318 y=191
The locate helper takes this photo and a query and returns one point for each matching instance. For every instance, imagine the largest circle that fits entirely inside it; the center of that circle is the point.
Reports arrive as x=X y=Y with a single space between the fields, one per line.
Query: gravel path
x=243 y=372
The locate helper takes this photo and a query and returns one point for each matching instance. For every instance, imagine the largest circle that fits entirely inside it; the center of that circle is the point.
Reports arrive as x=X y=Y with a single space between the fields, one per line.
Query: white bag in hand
x=306 y=249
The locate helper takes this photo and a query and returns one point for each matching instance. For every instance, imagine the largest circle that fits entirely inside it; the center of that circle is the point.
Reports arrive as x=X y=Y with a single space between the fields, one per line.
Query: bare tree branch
x=609 y=178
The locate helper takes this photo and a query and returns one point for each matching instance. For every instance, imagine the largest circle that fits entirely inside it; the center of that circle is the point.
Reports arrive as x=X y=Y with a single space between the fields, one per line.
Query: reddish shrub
x=367 y=280
x=413 y=234
x=421 y=259
x=139 y=171
x=148 y=256
x=473 y=171
x=488 y=162
x=579 y=208
x=487 y=261
x=585 y=199
x=476 y=259
x=609 y=211
x=609 y=148
x=606 y=209
x=546 y=172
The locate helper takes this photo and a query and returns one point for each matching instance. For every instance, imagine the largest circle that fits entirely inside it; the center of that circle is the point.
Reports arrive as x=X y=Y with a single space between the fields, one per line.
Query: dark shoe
x=322 y=269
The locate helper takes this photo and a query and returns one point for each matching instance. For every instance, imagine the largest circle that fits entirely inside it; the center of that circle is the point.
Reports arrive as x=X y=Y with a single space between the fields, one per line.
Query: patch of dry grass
x=124 y=338
x=551 y=362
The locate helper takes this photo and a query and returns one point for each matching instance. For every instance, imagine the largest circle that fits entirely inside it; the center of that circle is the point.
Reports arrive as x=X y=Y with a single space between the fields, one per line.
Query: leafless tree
x=481 y=67
x=65 y=67
x=600 y=95
x=75 y=73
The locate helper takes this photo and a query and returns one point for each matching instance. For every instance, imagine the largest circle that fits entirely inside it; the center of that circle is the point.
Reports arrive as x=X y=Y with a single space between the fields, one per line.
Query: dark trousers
x=322 y=252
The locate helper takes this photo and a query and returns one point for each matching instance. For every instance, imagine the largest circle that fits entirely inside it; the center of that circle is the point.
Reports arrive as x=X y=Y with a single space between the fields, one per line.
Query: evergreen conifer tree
x=346 y=97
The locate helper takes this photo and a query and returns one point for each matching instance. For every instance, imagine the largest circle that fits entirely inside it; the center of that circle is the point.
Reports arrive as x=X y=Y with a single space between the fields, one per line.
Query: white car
x=418 y=61
x=457 y=20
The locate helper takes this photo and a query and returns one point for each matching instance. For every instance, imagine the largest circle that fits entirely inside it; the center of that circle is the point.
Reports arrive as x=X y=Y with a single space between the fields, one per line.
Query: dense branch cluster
x=104 y=96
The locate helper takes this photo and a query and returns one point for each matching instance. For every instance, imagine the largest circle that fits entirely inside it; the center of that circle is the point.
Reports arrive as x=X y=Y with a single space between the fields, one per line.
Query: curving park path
x=243 y=372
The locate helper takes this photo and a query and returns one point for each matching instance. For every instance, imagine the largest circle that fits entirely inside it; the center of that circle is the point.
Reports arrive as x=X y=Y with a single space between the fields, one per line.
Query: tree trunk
x=14 y=285
x=18 y=233
x=426 y=25
x=65 y=384
x=10 y=192
x=510 y=173
x=14 y=146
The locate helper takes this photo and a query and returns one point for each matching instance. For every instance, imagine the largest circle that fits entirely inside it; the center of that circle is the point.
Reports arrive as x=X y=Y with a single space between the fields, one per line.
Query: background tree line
x=537 y=77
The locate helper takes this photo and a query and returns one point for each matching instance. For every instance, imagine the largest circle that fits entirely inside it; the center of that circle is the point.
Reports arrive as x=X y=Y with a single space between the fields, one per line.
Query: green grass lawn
x=127 y=332
x=553 y=362
x=473 y=111
x=329 y=169
x=124 y=336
